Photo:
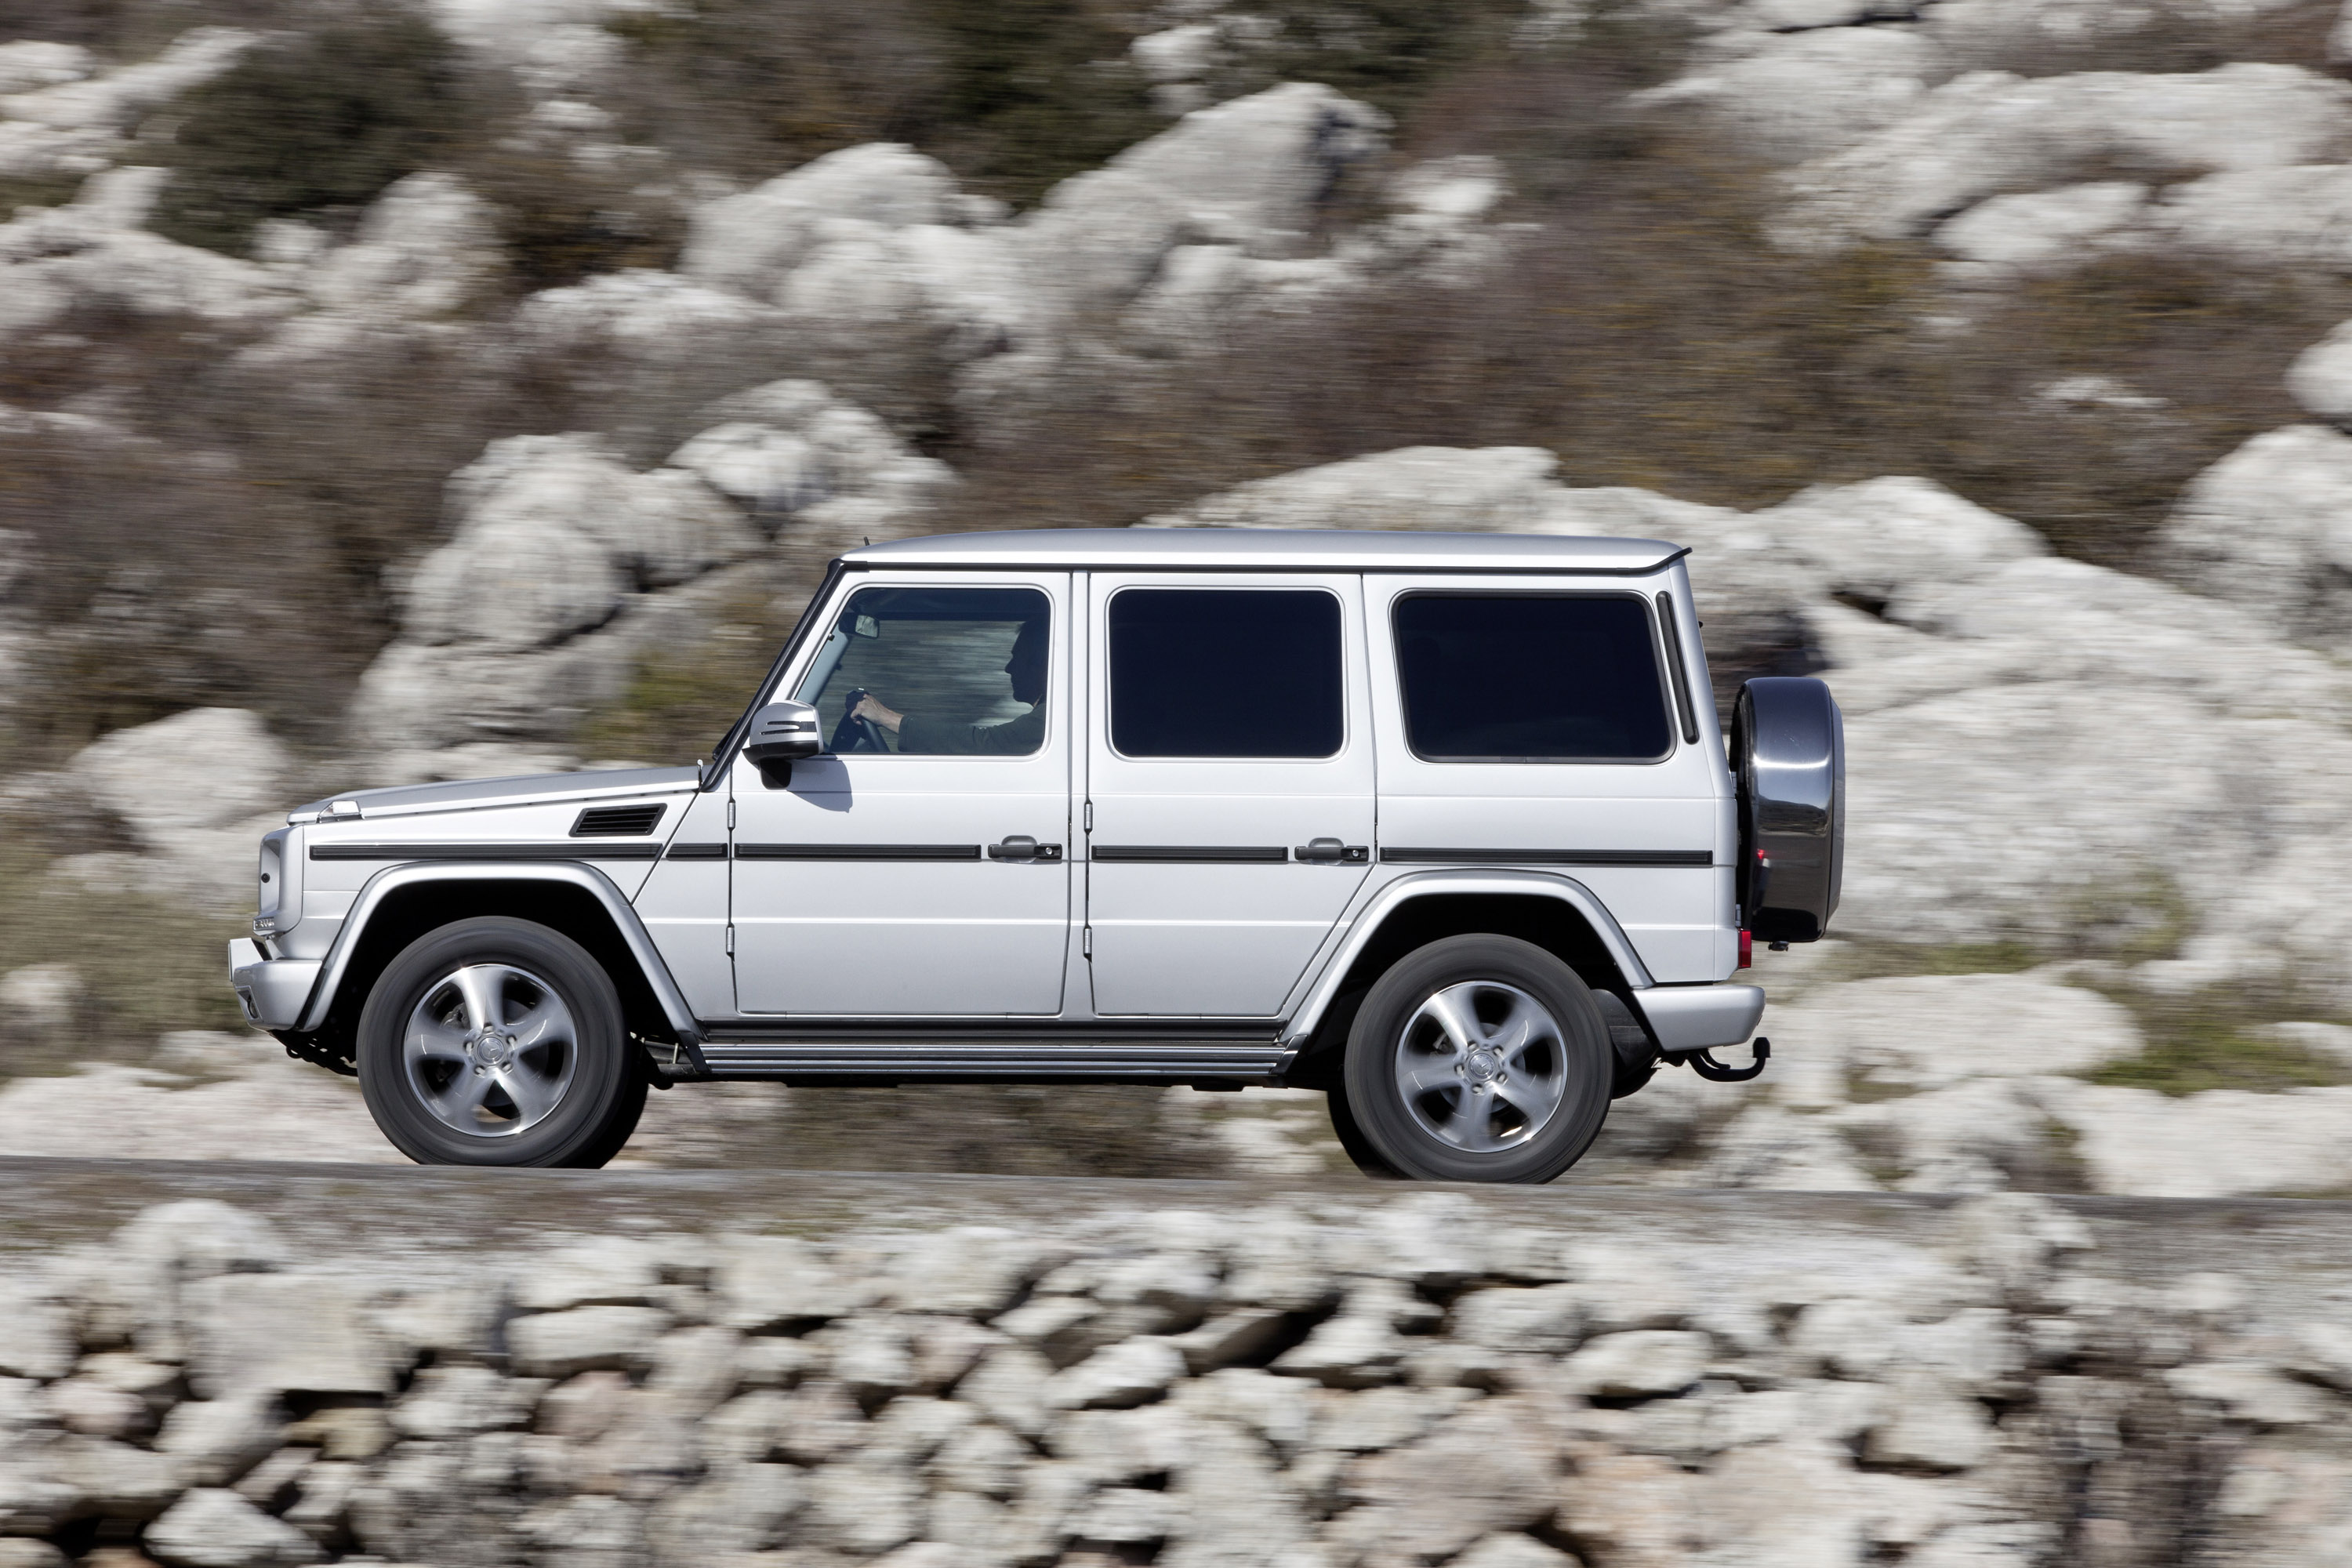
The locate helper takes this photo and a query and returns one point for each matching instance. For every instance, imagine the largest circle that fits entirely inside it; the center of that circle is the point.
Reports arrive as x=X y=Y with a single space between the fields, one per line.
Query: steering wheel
x=855 y=734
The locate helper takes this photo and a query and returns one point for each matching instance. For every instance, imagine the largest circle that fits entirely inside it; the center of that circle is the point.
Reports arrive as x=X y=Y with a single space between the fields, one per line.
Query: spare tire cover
x=1787 y=745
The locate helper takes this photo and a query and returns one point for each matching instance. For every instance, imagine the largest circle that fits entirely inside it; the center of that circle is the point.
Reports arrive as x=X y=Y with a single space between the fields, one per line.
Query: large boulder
x=1990 y=131
x=556 y=532
x=425 y=247
x=1252 y=173
x=1790 y=95
x=205 y=768
x=2270 y=526
x=751 y=242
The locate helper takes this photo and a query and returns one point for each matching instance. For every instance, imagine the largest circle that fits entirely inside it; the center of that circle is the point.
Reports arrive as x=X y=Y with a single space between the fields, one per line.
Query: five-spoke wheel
x=490 y=1050
x=1478 y=1058
x=498 y=1042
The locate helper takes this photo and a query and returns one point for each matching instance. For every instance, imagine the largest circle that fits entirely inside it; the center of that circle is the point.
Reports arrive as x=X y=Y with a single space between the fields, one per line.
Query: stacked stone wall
x=267 y=1366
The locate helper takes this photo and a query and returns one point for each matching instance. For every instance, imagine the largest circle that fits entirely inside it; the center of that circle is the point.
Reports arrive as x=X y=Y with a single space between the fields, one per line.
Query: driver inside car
x=1014 y=737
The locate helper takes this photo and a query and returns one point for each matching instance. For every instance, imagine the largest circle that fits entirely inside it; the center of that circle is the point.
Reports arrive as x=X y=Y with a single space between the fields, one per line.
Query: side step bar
x=872 y=1062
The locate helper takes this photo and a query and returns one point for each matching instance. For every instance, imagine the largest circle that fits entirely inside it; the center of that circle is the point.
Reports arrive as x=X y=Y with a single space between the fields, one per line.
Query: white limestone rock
x=42 y=998
x=202 y=769
x=208 y=1528
x=558 y=1344
x=2266 y=526
x=773 y=1281
x=31 y=64
x=425 y=247
x=256 y=1333
x=556 y=532
x=1441 y=488
x=2044 y=228
x=1495 y=1464
x=2321 y=378
x=1248 y=173
x=2215 y=1143
x=751 y=242
x=1639 y=1362
x=2297 y=216
x=790 y=448
x=1905 y=1035
x=1792 y=95
x=1988 y=130
x=217 y=1440
x=1118 y=1376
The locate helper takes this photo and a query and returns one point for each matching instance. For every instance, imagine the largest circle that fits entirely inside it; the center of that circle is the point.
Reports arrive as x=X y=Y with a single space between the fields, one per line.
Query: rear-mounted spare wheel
x=1787 y=745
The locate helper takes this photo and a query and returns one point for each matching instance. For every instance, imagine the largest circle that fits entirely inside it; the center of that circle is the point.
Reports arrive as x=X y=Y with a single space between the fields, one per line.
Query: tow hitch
x=1703 y=1063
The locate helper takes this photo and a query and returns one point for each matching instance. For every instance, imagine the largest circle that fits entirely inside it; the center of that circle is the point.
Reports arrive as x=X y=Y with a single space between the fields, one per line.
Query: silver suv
x=1441 y=825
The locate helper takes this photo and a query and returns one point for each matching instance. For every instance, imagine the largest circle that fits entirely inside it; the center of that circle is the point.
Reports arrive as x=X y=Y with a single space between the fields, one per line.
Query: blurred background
x=401 y=392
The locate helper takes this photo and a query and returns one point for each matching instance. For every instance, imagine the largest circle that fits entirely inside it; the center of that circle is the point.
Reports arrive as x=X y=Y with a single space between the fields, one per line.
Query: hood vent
x=617 y=821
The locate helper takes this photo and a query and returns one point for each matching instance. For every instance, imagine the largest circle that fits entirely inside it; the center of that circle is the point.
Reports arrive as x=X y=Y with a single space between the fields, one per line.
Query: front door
x=1229 y=778
x=920 y=868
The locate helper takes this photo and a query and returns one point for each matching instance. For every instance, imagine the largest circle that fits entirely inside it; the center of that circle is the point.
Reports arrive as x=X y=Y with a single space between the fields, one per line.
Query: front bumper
x=270 y=990
x=1695 y=1017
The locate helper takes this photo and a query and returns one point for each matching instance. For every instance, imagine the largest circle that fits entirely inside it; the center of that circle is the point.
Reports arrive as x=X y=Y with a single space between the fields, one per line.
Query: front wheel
x=1479 y=1059
x=498 y=1042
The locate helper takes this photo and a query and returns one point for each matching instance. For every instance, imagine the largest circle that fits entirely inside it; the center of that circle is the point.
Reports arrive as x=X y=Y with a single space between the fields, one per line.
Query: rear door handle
x=1332 y=852
x=1021 y=847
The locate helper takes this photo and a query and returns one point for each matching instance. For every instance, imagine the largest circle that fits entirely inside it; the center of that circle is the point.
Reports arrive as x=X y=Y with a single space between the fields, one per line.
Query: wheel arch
x=402 y=903
x=1558 y=914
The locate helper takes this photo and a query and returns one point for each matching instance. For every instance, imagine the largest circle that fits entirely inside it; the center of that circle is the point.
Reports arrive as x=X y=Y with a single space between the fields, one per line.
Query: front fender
x=394 y=878
x=1368 y=922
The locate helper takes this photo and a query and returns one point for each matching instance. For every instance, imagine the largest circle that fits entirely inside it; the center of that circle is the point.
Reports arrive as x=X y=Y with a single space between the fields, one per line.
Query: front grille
x=617 y=821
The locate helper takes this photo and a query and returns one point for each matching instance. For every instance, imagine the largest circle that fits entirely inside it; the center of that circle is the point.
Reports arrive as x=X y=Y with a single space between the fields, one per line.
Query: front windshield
x=957 y=670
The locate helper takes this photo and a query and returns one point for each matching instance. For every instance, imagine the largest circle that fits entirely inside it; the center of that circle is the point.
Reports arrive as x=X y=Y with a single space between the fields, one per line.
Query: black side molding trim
x=1196 y=854
x=698 y=852
x=577 y=849
x=858 y=851
x=1547 y=857
x=1216 y=1065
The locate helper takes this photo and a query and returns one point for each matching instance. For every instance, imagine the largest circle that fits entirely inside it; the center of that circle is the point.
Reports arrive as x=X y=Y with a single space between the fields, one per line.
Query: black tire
x=1359 y=1149
x=592 y=1110
x=1488 y=1102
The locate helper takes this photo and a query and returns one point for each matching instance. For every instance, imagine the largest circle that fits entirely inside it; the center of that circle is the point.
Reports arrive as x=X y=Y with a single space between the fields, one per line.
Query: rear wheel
x=499 y=1042
x=1479 y=1059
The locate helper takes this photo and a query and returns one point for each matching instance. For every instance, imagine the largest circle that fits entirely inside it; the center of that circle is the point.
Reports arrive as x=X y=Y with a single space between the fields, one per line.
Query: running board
x=1219 y=1064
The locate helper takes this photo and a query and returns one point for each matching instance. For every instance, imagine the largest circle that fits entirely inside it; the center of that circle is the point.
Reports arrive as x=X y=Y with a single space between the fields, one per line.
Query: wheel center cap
x=1481 y=1066
x=490 y=1049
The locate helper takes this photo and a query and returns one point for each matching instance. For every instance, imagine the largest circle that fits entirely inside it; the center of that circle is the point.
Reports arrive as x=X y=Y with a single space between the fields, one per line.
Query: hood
x=468 y=795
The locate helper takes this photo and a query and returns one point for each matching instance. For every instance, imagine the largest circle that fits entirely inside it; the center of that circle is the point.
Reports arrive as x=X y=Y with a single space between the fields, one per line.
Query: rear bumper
x=270 y=990
x=1695 y=1017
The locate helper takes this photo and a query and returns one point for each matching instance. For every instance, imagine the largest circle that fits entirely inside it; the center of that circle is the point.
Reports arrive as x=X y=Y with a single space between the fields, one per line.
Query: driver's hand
x=868 y=708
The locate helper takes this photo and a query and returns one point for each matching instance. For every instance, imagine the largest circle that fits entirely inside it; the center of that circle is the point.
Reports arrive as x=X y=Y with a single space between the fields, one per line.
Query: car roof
x=1271 y=550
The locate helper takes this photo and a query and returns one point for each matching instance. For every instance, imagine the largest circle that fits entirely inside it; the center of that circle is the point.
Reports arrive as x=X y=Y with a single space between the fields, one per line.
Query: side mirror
x=781 y=733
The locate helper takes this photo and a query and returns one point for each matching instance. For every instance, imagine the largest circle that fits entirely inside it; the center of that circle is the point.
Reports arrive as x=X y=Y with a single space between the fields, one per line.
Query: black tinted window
x=1214 y=672
x=1529 y=677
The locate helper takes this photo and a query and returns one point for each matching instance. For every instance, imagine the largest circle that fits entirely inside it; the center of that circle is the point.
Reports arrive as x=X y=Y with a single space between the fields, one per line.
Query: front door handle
x=1021 y=847
x=1332 y=852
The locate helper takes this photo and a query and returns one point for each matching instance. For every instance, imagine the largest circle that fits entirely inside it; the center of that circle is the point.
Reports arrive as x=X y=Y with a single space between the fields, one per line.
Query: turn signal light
x=1747 y=949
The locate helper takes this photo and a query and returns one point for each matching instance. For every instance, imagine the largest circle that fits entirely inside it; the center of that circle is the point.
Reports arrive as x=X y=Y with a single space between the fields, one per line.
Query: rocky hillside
x=389 y=395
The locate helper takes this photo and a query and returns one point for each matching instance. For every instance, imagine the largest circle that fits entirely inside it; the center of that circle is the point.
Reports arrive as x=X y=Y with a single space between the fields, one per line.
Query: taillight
x=1747 y=949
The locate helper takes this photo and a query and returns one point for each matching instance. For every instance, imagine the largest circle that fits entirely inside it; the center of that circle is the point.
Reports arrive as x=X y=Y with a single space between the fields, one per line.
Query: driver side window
x=944 y=671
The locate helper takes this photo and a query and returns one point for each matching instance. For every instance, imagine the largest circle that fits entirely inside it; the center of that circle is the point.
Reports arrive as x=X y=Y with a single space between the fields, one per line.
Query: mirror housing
x=781 y=732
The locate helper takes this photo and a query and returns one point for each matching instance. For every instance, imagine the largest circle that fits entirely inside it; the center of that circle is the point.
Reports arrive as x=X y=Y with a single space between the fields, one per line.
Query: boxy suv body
x=1443 y=825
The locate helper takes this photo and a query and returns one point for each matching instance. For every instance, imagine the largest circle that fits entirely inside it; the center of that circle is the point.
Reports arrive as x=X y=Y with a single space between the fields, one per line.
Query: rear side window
x=1224 y=672
x=1531 y=678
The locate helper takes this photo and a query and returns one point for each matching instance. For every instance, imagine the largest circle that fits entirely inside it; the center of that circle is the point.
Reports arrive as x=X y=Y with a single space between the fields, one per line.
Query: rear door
x=1229 y=786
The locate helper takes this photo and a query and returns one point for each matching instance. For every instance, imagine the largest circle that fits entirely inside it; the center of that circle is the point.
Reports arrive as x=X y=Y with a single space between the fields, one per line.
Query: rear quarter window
x=1531 y=677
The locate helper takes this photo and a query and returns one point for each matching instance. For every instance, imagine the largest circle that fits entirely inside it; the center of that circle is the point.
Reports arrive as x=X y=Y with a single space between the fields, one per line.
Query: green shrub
x=310 y=123
x=2215 y=1039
